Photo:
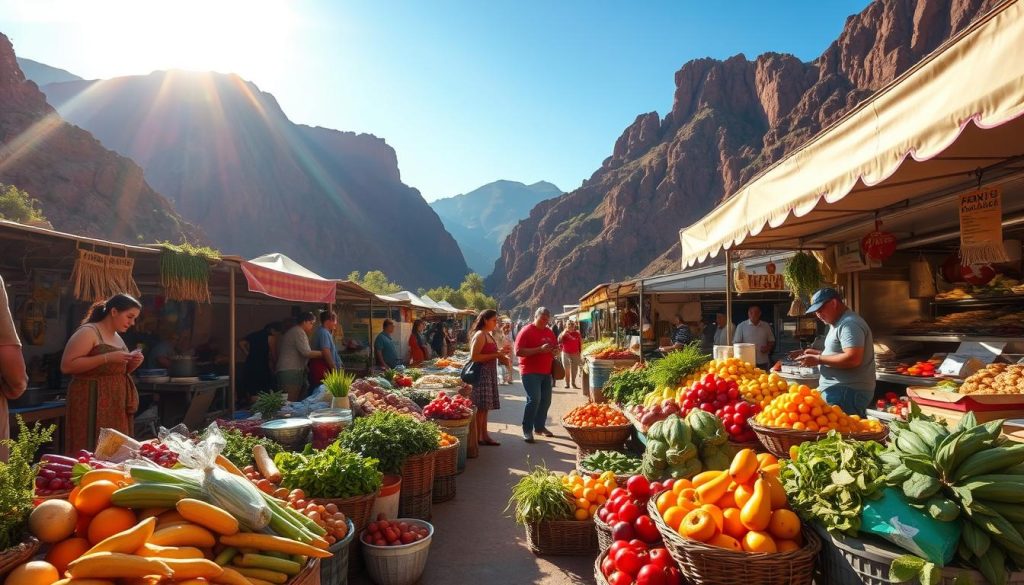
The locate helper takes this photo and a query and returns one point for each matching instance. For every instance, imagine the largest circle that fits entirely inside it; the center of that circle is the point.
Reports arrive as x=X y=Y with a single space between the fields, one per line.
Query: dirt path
x=475 y=541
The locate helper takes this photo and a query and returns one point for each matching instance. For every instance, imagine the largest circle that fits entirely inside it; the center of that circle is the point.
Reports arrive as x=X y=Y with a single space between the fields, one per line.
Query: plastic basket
x=562 y=537
x=444 y=489
x=398 y=565
x=334 y=570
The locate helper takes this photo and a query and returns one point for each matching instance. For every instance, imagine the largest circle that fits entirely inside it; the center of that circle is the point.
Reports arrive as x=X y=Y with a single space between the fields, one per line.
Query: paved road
x=475 y=541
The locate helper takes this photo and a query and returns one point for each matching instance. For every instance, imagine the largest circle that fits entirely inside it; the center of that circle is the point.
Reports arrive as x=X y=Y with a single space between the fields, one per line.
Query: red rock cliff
x=729 y=120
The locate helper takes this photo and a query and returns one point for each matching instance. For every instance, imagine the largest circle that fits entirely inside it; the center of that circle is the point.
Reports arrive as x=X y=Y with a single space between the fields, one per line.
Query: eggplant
x=59 y=459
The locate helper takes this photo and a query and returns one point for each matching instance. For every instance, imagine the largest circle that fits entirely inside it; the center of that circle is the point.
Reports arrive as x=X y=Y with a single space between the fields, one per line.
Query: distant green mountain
x=481 y=219
x=43 y=74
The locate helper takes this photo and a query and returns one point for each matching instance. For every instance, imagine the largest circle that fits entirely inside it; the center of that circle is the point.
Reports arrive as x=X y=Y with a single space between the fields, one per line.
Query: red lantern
x=978 y=274
x=878 y=245
x=770 y=267
x=951 y=271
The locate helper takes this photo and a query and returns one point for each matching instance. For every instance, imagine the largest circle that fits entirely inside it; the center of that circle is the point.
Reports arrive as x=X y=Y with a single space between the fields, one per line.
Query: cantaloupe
x=53 y=520
x=33 y=573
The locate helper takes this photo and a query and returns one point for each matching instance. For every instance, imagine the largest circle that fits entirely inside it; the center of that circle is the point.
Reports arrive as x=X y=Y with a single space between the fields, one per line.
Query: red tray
x=966 y=402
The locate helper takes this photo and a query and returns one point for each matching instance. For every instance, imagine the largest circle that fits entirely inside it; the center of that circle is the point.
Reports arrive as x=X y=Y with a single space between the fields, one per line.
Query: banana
x=998 y=528
x=966 y=422
x=998 y=488
x=942 y=509
x=993 y=565
x=989 y=460
x=1012 y=512
x=930 y=432
x=975 y=539
x=910 y=443
x=955 y=448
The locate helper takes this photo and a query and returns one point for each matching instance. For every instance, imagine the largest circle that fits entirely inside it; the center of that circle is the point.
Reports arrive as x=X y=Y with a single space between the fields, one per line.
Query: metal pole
x=728 y=297
x=618 y=318
x=232 y=336
x=369 y=327
x=640 y=312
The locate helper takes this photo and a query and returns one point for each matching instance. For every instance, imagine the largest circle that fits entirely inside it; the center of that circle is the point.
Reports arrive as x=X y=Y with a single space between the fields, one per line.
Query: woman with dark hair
x=417 y=344
x=484 y=351
x=292 y=355
x=101 y=393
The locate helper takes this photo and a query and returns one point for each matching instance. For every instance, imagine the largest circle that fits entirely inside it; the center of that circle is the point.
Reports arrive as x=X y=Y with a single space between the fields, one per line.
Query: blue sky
x=466 y=92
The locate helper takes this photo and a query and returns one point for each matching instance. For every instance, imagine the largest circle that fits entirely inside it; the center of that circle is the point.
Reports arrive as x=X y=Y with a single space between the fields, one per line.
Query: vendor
x=292 y=355
x=723 y=329
x=323 y=342
x=164 y=351
x=758 y=333
x=680 y=336
x=847 y=363
x=13 y=377
x=384 y=347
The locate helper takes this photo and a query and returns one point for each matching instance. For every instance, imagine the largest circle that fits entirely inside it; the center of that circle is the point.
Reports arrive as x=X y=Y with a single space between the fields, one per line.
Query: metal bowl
x=291 y=433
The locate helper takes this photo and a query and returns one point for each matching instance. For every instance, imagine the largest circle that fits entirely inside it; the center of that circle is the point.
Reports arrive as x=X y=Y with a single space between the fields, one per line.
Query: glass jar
x=328 y=423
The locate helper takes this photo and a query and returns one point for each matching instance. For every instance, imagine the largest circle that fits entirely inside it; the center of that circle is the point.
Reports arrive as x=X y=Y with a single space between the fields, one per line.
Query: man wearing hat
x=847 y=363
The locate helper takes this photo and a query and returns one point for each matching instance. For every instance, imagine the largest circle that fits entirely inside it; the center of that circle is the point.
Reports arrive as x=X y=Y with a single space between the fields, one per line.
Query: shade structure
x=279 y=276
x=915 y=142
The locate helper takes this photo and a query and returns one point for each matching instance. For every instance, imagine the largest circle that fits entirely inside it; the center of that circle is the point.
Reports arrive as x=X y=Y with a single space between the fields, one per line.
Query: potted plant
x=338 y=383
x=268 y=404
x=17 y=476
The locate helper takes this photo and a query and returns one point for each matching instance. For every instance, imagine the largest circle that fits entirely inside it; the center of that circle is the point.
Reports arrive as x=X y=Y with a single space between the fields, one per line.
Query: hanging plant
x=185 y=271
x=802 y=275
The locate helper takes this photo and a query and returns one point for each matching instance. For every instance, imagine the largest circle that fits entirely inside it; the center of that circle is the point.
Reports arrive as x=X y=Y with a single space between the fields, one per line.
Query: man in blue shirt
x=680 y=336
x=847 y=363
x=323 y=341
x=384 y=346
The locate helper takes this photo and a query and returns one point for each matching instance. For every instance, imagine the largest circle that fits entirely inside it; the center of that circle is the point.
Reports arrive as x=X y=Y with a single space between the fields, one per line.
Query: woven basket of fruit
x=778 y=440
x=597 y=426
x=18 y=554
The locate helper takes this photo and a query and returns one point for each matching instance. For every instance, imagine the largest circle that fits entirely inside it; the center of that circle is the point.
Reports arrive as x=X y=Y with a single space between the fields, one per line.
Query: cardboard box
x=952 y=406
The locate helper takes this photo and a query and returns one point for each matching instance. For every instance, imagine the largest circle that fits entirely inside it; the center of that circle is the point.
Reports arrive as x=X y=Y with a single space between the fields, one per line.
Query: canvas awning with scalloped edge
x=916 y=142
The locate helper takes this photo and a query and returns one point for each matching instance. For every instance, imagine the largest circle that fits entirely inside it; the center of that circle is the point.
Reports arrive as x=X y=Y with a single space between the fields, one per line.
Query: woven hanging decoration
x=740 y=282
x=878 y=245
x=922 y=282
x=185 y=276
x=99 y=276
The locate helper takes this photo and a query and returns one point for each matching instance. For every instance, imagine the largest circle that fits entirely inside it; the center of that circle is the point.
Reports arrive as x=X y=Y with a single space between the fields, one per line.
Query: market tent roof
x=413 y=299
x=920 y=138
x=279 y=276
x=438 y=307
x=451 y=307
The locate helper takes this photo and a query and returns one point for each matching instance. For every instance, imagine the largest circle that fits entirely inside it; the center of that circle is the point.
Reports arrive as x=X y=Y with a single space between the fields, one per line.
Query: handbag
x=470 y=372
x=557 y=369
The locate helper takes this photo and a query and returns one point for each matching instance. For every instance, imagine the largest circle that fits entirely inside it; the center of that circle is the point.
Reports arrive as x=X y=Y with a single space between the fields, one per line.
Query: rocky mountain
x=729 y=120
x=81 y=186
x=481 y=219
x=231 y=161
x=43 y=74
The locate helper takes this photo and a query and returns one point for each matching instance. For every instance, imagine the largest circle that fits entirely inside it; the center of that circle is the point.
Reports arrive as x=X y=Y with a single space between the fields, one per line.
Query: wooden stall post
x=232 y=335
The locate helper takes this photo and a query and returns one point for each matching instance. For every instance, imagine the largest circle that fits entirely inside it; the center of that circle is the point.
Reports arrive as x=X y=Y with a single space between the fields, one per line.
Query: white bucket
x=746 y=352
x=722 y=352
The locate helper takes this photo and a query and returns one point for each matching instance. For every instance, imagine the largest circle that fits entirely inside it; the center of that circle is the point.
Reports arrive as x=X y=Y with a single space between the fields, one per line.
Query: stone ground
x=474 y=539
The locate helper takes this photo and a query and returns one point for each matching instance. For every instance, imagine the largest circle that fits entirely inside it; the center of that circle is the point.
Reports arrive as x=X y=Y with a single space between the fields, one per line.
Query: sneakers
x=545 y=433
x=528 y=437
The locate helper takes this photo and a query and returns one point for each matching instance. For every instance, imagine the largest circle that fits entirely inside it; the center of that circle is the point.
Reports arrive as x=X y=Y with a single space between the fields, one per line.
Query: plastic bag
x=115 y=447
x=236 y=495
x=892 y=518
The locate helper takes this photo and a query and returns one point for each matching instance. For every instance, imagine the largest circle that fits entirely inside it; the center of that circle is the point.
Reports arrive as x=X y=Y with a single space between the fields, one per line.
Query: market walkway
x=474 y=540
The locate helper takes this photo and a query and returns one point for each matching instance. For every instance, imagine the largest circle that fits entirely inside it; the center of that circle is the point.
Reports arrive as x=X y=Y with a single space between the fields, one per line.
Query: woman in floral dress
x=102 y=393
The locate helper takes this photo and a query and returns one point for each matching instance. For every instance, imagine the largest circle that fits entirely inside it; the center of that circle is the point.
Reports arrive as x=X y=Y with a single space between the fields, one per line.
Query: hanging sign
x=765 y=282
x=878 y=245
x=850 y=257
x=981 y=227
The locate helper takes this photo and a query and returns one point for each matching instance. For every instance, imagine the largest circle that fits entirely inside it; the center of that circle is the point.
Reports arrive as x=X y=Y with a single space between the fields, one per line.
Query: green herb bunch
x=269 y=404
x=540 y=496
x=334 y=472
x=391 y=438
x=628 y=386
x=670 y=370
x=802 y=274
x=829 y=480
x=16 y=480
x=338 y=383
x=238 y=447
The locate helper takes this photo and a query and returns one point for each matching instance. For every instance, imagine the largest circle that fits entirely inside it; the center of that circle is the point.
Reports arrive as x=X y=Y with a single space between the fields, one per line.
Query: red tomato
x=629 y=512
x=608 y=565
x=638 y=486
x=673 y=576
x=646 y=530
x=628 y=561
x=617 y=492
x=617 y=546
x=660 y=557
x=623 y=531
x=651 y=575
x=619 y=578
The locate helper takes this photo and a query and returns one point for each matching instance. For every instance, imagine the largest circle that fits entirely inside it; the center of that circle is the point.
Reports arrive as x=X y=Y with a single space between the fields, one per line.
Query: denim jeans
x=538 y=400
x=850 y=400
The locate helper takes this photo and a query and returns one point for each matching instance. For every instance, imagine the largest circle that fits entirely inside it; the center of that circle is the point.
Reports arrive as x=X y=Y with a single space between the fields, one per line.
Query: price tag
x=971 y=355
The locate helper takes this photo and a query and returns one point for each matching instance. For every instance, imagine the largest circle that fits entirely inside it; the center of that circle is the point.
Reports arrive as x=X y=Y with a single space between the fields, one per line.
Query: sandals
x=545 y=433
x=489 y=443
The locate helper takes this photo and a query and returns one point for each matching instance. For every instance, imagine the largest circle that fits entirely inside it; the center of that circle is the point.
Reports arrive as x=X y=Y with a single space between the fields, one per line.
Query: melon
x=33 y=573
x=53 y=520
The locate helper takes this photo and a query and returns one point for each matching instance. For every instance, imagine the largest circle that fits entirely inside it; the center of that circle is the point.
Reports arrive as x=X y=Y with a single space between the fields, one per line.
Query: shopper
x=501 y=337
x=847 y=363
x=680 y=336
x=293 y=353
x=13 y=376
x=756 y=332
x=102 y=393
x=384 y=347
x=323 y=343
x=722 y=330
x=486 y=353
x=535 y=348
x=571 y=344
x=436 y=338
x=258 y=373
x=418 y=348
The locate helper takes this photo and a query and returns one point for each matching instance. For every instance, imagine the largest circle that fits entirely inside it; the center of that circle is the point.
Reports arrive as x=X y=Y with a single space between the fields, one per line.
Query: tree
x=17 y=205
x=375 y=281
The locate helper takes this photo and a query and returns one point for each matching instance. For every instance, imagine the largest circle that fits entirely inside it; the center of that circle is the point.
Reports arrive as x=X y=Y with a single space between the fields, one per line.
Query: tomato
x=656 y=486
x=744 y=408
x=629 y=512
x=617 y=492
x=619 y=578
x=673 y=576
x=623 y=531
x=660 y=557
x=738 y=419
x=608 y=565
x=651 y=575
x=646 y=530
x=629 y=561
x=617 y=546
x=638 y=486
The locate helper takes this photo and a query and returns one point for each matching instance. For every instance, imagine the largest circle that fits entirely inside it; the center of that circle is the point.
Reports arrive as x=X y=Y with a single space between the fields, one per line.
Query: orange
x=95 y=497
x=716 y=515
x=680 y=485
x=82 y=526
x=726 y=542
x=674 y=517
x=665 y=501
x=784 y=525
x=109 y=522
x=582 y=514
x=732 y=525
x=66 y=551
x=756 y=541
x=786 y=546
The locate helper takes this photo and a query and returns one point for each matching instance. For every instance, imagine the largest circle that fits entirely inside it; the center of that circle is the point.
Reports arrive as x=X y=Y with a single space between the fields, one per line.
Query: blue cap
x=820 y=297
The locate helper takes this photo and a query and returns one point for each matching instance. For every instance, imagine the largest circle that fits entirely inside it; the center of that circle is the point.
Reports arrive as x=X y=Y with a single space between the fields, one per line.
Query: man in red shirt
x=571 y=343
x=536 y=346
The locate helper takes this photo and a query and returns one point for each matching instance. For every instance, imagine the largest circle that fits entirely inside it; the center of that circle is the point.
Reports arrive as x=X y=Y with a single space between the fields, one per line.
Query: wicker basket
x=703 y=564
x=309 y=575
x=562 y=537
x=755 y=445
x=418 y=474
x=416 y=506
x=18 y=554
x=451 y=423
x=599 y=577
x=334 y=570
x=444 y=489
x=779 y=440
x=357 y=508
x=604 y=534
x=598 y=438
x=446 y=461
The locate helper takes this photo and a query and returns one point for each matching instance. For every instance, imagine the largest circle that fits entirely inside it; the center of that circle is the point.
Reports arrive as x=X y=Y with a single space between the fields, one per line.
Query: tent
x=278 y=276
